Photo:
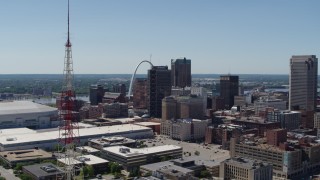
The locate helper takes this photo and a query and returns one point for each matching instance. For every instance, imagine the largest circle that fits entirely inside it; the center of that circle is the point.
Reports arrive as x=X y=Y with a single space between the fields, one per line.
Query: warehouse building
x=14 y=140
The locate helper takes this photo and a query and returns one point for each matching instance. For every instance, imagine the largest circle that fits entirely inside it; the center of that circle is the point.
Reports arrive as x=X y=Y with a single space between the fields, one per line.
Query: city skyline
x=112 y=37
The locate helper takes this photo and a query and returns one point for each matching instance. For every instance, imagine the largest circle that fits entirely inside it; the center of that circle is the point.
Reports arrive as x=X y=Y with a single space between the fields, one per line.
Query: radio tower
x=68 y=129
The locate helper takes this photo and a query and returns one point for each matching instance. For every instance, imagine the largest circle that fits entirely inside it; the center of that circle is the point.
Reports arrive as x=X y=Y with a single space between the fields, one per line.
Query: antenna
x=150 y=57
x=68 y=44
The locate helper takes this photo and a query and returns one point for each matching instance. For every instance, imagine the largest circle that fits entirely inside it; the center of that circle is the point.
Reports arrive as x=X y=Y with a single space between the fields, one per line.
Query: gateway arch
x=133 y=75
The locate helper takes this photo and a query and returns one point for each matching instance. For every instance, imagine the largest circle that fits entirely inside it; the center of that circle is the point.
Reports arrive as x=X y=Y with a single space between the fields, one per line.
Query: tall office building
x=96 y=94
x=140 y=93
x=303 y=87
x=229 y=87
x=119 y=88
x=181 y=72
x=158 y=87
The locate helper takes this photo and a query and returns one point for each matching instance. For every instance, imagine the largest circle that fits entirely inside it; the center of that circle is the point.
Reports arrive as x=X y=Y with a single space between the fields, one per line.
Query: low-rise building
x=256 y=122
x=245 y=169
x=99 y=165
x=44 y=171
x=87 y=150
x=131 y=158
x=290 y=160
x=15 y=140
x=115 y=110
x=103 y=142
x=11 y=158
x=155 y=126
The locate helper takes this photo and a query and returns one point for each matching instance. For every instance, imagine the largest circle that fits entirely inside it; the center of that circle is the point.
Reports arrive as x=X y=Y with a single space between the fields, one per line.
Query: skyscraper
x=158 y=87
x=181 y=72
x=303 y=87
x=229 y=87
x=96 y=94
x=140 y=93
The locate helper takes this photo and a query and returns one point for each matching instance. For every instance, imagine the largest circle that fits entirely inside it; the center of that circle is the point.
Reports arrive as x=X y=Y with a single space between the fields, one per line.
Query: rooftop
x=147 y=123
x=164 y=165
x=34 y=136
x=42 y=170
x=20 y=107
x=91 y=160
x=88 y=149
x=71 y=162
x=129 y=152
x=246 y=163
x=27 y=154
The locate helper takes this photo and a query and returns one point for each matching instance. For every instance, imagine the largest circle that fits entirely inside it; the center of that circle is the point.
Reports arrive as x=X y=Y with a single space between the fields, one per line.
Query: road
x=7 y=174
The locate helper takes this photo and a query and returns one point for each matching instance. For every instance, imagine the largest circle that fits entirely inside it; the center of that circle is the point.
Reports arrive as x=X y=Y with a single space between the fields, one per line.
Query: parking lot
x=209 y=152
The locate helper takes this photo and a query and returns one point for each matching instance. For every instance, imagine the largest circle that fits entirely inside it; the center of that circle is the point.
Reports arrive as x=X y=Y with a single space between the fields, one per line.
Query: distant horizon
x=220 y=37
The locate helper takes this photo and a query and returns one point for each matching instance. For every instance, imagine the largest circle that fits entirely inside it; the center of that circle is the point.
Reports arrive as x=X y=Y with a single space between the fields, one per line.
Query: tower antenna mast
x=69 y=128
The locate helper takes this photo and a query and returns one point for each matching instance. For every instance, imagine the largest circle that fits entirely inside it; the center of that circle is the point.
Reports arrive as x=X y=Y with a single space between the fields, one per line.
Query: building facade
x=15 y=114
x=181 y=72
x=245 y=169
x=140 y=93
x=96 y=94
x=303 y=87
x=184 y=129
x=158 y=87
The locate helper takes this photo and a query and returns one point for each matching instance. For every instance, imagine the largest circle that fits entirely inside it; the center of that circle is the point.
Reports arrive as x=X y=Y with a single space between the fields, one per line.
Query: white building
x=184 y=129
x=262 y=104
x=131 y=158
x=15 y=139
x=15 y=114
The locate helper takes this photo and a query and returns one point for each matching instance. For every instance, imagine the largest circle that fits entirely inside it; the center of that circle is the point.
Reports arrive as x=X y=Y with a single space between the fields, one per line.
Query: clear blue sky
x=110 y=37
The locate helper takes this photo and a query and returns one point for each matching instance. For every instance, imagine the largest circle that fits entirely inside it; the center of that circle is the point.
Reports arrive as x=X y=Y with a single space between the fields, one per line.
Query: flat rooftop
x=34 y=136
x=164 y=165
x=148 y=124
x=246 y=163
x=23 y=107
x=39 y=171
x=88 y=149
x=28 y=154
x=67 y=162
x=91 y=160
x=141 y=151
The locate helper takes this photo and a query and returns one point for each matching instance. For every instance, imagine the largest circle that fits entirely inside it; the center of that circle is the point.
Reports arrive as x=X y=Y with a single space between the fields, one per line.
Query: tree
x=2 y=178
x=87 y=171
x=114 y=167
x=90 y=171
x=204 y=174
x=197 y=153
x=25 y=177
x=135 y=172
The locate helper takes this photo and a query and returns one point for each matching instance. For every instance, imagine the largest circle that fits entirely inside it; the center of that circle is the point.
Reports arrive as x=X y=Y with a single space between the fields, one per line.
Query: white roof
x=141 y=151
x=53 y=135
x=147 y=123
x=92 y=160
x=88 y=149
x=125 y=120
x=20 y=107
x=16 y=131
x=71 y=162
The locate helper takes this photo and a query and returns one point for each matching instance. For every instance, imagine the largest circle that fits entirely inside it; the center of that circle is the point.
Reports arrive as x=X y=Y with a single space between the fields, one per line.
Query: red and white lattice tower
x=68 y=129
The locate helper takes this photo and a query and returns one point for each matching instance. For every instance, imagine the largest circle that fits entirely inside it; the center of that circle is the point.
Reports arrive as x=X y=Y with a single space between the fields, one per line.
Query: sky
x=113 y=36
